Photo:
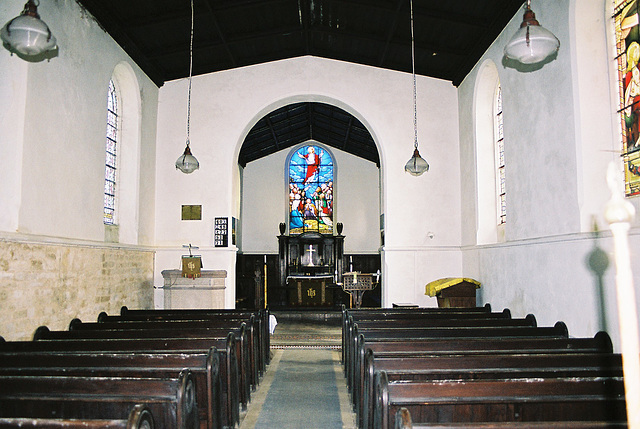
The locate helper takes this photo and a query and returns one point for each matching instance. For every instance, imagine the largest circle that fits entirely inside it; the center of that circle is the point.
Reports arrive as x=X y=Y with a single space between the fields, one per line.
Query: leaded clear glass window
x=311 y=185
x=626 y=19
x=499 y=145
x=110 y=171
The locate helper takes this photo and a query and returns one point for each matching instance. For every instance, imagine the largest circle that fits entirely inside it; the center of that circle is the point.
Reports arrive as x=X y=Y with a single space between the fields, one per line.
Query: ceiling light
x=187 y=163
x=416 y=165
x=26 y=34
x=532 y=43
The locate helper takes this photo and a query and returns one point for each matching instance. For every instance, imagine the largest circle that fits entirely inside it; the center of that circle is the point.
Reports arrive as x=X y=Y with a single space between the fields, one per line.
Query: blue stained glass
x=311 y=190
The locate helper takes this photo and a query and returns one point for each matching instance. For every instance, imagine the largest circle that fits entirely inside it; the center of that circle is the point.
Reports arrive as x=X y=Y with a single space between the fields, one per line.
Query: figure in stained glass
x=310 y=190
x=627 y=19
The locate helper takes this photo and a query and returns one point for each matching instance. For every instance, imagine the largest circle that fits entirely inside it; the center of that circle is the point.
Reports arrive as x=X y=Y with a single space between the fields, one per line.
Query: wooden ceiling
x=450 y=35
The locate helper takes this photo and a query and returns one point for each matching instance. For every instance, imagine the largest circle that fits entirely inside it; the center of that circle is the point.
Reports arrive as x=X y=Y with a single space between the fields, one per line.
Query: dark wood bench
x=260 y=326
x=481 y=365
x=172 y=401
x=403 y=421
x=429 y=322
x=139 y=418
x=204 y=368
x=261 y=316
x=550 y=400
x=354 y=315
x=354 y=363
x=245 y=335
x=247 y=372
x=227 y=348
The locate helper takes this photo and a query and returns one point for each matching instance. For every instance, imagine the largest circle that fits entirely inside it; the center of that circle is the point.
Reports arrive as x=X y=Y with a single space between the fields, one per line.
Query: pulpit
x=309 y=267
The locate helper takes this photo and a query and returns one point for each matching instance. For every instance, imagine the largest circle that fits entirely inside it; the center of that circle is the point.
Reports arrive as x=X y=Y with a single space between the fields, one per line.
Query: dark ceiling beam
x=504 y=15
x=305 y=13
x=109 y=22
x=346 y=135
x=273 y=134
x=176 y=49
x=390 y=32
x=221 y=35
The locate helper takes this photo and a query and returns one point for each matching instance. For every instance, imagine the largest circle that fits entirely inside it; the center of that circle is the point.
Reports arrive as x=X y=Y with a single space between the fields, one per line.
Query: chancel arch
x=278 y=138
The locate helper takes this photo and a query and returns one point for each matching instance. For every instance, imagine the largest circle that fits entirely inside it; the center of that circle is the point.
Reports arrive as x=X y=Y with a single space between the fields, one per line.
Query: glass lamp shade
x=532 y=43
x=416 y=165
x=187 y=163
x=28 y=35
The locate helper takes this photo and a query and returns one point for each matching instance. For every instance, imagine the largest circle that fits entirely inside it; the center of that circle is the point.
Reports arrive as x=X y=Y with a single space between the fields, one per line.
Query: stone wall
x=50 y=284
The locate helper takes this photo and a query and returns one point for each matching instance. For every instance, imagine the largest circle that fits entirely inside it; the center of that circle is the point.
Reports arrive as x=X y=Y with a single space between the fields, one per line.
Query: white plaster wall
x=58 y=129
x=13 y=89
x=558 y=136
x=225 y=106
x=265 y=201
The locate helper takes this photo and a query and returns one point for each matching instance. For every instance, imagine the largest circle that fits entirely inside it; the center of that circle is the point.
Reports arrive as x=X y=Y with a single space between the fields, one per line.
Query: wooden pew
x=452 y=322
x=227 y=349
x=355 y=363
x=550 y=400
x=259 y=329
x=248 y=348
x=481 y=365
x=245 y=370
x=261 y=316
x=172 y=401
x=403 y=421
x=349 y=315
x=204 y=368
x=139 y=418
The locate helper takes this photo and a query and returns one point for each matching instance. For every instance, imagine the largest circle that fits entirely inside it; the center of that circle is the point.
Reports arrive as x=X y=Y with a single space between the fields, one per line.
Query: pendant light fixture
x=532 y=43
x=27 y=34
x=416 y=165
x=187 y=163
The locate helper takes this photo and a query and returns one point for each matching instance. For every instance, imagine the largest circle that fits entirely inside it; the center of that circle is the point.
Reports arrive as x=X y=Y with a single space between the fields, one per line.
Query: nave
x=395 y=368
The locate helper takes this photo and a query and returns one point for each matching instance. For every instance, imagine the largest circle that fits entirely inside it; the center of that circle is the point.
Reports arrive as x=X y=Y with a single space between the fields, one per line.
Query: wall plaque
x=192 y=212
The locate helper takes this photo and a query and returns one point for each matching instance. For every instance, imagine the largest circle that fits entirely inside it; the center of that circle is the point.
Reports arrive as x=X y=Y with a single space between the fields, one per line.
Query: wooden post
x=619 y=213
x=265 y=281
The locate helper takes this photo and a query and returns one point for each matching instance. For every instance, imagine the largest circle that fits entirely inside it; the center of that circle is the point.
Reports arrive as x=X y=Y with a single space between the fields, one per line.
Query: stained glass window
x=626 y=18
x=311 y=184
x=500 y=170
x=110 y=160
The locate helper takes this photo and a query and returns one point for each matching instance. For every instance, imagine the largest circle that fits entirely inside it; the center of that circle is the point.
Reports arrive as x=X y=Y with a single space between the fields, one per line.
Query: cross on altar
x=311 y=250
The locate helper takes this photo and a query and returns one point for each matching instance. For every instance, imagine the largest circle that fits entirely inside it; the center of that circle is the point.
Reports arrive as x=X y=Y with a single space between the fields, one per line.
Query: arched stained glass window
x=501 y=191
x=310 y=171
x=111 y=159
x=627 y=19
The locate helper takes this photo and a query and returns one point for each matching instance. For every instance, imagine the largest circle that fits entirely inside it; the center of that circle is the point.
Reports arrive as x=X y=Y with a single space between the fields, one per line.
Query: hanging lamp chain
x=190 y=75
x=413 y=71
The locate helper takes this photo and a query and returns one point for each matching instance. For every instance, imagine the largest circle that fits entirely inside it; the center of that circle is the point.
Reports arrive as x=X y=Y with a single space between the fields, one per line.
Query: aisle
x=303 y=388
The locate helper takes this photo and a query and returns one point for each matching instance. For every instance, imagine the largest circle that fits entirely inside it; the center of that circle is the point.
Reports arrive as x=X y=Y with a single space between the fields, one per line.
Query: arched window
x=310 y=172
x=498 y=135
x=111 y=160
x=626 y=19
x=490 y=159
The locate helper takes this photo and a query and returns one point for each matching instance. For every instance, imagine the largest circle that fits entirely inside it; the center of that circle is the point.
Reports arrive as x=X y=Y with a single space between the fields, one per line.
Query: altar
x=309 y=267
x=310 y=291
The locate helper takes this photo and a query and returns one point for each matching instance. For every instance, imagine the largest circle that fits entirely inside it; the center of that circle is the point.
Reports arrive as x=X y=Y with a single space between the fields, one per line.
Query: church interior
x=320 y=159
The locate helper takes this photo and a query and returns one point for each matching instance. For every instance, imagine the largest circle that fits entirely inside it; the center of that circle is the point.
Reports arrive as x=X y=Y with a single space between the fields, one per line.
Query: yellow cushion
x=436 y=286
